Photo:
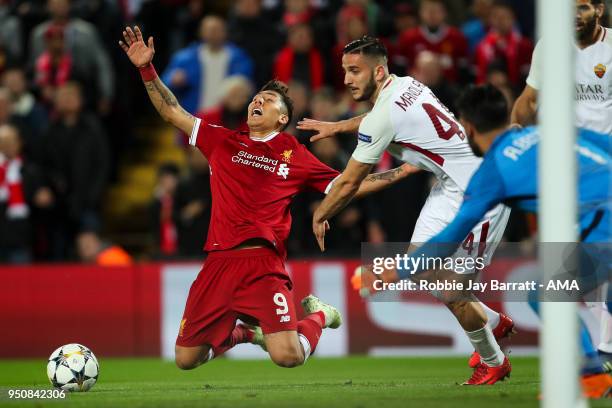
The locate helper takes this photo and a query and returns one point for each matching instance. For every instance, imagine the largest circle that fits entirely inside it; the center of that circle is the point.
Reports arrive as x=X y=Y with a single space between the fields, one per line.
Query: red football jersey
x=449 y=43
x=253 y=182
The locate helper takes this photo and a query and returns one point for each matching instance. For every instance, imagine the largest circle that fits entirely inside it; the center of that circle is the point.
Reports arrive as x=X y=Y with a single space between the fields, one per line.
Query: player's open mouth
x=257 y=112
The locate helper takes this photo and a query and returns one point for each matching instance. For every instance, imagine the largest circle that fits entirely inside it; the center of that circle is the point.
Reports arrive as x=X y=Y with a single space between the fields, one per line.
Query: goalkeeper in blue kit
x=508 y=174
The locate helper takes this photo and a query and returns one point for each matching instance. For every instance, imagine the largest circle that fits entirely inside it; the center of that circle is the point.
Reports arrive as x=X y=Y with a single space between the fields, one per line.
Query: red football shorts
x=250 y=284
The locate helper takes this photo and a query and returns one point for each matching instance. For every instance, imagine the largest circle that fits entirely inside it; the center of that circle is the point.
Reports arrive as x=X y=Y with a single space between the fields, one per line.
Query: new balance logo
x=283 y=170
x=285 y=319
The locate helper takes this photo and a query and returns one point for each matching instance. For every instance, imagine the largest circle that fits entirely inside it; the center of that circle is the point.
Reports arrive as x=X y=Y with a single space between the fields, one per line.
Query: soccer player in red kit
x=254 y=177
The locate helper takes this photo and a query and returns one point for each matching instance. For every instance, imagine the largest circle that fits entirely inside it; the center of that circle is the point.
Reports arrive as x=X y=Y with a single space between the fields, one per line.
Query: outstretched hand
x=139 y=53
x=319 y=229
x=323 y=129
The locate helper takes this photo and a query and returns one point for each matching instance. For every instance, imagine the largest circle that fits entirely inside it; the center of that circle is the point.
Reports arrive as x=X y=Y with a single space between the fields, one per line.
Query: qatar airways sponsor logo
x=590 y=92
x=261 y=162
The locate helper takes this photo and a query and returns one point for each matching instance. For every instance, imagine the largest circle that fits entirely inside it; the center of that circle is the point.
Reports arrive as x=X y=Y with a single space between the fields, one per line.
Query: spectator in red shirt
x=404 y=17
x=351 y=24
x=504 y=43
x=436 y=36
x=299 y=60
x=54 y=66
x=162 y=210
x=297 y=12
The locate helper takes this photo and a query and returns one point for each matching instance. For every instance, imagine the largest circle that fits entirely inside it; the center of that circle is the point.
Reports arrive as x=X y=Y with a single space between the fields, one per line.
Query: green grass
x=358 y=382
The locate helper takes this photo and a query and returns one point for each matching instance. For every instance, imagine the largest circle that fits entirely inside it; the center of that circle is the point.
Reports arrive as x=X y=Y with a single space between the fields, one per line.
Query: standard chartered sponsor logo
x=259 y=162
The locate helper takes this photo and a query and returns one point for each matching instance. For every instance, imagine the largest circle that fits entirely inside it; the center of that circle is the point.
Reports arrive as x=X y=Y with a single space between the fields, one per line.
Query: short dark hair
x=281 y=89
x=484 y=106
x=366 y=45
x=597 y=2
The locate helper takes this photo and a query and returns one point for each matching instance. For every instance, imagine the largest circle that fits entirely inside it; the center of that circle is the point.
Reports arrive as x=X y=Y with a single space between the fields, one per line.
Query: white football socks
x=605 y=331
x=492 y=316
x=484 y=343
x=604 y=320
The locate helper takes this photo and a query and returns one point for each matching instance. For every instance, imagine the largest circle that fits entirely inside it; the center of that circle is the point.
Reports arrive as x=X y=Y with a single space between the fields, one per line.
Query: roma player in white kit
x=414 y=126
x=593 y=109
x=593 y=73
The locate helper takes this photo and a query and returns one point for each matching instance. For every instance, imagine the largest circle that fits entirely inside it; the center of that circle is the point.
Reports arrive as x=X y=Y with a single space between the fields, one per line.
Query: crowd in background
x=68 y=99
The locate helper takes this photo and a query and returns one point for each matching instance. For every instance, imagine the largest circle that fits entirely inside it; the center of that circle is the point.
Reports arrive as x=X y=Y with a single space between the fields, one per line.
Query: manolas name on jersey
x=415 y=127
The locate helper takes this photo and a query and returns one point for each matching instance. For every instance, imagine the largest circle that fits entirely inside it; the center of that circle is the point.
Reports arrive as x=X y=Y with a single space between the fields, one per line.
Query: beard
x=475 y=149
x=368 y=91
x=588 y=29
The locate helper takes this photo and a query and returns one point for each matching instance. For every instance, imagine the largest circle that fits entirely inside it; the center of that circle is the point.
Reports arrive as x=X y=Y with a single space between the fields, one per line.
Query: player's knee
x=188 y=359
x=288 y=357
x=185 y=363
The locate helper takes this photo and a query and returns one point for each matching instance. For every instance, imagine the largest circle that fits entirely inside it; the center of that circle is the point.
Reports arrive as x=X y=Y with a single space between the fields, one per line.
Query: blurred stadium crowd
x=74 y=114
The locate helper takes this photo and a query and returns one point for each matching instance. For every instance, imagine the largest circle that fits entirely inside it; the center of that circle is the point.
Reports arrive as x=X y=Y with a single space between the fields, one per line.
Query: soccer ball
x=73 y=367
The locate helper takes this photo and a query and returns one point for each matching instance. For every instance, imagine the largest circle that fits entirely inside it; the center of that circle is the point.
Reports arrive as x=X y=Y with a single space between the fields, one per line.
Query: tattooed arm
x=168 y=107
x=379 y=181
x=353 y=182
x=141 y=55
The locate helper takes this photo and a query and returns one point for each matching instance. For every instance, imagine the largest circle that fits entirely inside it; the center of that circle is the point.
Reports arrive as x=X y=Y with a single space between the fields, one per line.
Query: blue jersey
x=509 y=174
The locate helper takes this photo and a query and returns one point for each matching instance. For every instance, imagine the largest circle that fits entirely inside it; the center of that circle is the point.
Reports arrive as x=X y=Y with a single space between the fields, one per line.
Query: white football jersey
x=593 y=83
x=411 y=123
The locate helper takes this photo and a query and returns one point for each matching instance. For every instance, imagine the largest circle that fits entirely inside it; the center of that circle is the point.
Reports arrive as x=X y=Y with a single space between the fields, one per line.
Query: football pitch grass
x=359 y=382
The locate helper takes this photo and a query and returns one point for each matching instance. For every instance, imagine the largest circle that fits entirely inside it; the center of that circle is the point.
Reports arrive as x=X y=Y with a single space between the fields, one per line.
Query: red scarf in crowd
x=11 y=188
x=49 y=74
x=496 y=46
x=167 y=232
x=283 y=67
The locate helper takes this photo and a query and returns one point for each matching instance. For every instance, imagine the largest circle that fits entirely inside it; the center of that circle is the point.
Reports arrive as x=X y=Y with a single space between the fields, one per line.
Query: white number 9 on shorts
x=281 y=300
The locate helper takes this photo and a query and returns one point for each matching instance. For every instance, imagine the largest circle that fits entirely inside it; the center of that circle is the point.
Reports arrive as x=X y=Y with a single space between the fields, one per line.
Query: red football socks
x=239 y=335
x=310 y=329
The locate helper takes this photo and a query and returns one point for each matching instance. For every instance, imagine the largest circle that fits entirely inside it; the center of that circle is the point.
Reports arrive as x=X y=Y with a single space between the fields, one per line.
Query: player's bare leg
x=188 y=358
x=285 y=348
x=471 y=316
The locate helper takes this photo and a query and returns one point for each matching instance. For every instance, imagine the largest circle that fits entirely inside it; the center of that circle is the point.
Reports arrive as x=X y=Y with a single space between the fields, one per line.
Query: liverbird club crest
x=286 y=156
x=600 y=70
